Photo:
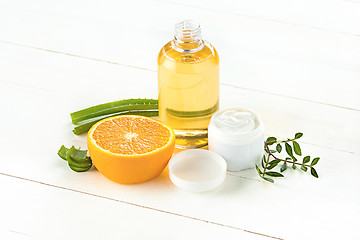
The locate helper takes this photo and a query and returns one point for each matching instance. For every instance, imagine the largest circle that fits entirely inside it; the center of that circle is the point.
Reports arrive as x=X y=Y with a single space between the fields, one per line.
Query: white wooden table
x=296 y=63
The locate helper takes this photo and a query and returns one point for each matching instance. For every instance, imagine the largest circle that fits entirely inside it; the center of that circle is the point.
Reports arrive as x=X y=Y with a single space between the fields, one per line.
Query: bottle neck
x=187 y=37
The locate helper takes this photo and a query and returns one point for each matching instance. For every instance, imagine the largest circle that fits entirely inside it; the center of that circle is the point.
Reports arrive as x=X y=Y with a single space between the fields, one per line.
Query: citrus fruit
x=130 y=149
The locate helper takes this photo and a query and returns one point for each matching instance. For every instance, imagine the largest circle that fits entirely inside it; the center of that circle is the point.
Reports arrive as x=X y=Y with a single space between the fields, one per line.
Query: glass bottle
x=188 y=84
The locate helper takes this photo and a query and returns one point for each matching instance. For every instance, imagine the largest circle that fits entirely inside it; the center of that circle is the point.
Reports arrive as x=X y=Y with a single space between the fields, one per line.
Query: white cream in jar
x=238 y=136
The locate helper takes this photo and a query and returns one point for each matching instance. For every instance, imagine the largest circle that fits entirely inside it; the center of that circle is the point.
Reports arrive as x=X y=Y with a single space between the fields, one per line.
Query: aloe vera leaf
x=87 y=125
x=80 y=165
x=113 y=107
x=77 y=154
x=76 y=158
x=79 y=169
x=63 y=151
x=87 y=163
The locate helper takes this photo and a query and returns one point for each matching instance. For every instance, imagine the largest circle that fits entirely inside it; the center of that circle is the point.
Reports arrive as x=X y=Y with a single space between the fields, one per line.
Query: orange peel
x=130 y=149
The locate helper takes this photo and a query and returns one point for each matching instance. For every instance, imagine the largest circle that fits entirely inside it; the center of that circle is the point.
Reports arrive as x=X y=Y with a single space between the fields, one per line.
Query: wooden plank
x=336 y=16
x=238 y=203
x=39 y=211
x=336 y=169
x=253 y=54
x=51 y=117
x=38 y=104
x=108 y=22
x=40 y=85
x=97 y=82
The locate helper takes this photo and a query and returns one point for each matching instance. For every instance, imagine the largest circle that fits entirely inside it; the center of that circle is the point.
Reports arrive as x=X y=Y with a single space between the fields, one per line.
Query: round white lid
x=197 y=170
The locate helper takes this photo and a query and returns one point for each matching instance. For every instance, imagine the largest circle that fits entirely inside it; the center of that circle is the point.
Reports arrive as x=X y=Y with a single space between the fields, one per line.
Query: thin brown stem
x=283 y=160
x=287 y=161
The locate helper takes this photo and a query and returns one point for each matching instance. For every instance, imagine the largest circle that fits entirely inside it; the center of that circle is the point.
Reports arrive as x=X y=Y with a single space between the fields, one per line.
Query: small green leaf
x=263 y=161
x=63 y=151
x=288 y=149
x=258 y=170
x=306 y=159
x=272 y=151
x=273 y=164
x=269 y=179
x=315 y=161
x=278 y=148
x=304 y=168
x=270 y=140
x=297 y=148
x=314 y=173
x=283 y=167
x=298 y=135
x=274 y=174
x=276 y=161
x=294 y=166
x=269 y=167
x=294 y=158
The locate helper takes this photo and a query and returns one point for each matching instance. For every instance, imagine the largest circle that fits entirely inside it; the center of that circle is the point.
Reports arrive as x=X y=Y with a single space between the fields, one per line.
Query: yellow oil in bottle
x=188 y=81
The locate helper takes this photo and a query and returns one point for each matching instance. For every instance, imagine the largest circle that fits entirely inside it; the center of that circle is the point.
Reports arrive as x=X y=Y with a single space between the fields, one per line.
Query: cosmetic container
x=238 y=136
x=188 y=84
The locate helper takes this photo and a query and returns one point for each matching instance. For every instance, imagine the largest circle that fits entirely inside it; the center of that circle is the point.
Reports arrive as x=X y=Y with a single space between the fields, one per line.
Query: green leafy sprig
x=270 y=161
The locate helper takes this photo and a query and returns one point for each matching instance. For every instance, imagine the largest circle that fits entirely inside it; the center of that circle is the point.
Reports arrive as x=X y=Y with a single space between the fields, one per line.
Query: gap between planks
x=141 y=206
x=324 y=63
x=151 y=70
x=261 y=18
x=250 y=16
x=297 y=98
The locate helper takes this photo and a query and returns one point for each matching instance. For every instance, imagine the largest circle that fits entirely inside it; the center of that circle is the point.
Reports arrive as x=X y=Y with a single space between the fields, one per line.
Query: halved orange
x=130 y=149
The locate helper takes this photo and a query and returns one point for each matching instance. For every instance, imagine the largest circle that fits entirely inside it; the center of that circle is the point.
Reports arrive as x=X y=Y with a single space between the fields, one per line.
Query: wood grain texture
x=57 y=213
x=243 y=192
x=295 y=63
x=287 y=55
x=333 y=16
x=80 y=77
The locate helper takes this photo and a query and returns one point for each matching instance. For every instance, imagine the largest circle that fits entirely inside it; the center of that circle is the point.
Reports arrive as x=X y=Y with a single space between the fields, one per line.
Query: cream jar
x=238 y=136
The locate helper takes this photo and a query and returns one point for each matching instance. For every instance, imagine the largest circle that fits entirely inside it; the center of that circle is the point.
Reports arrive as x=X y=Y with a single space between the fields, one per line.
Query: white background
x=296 y=63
